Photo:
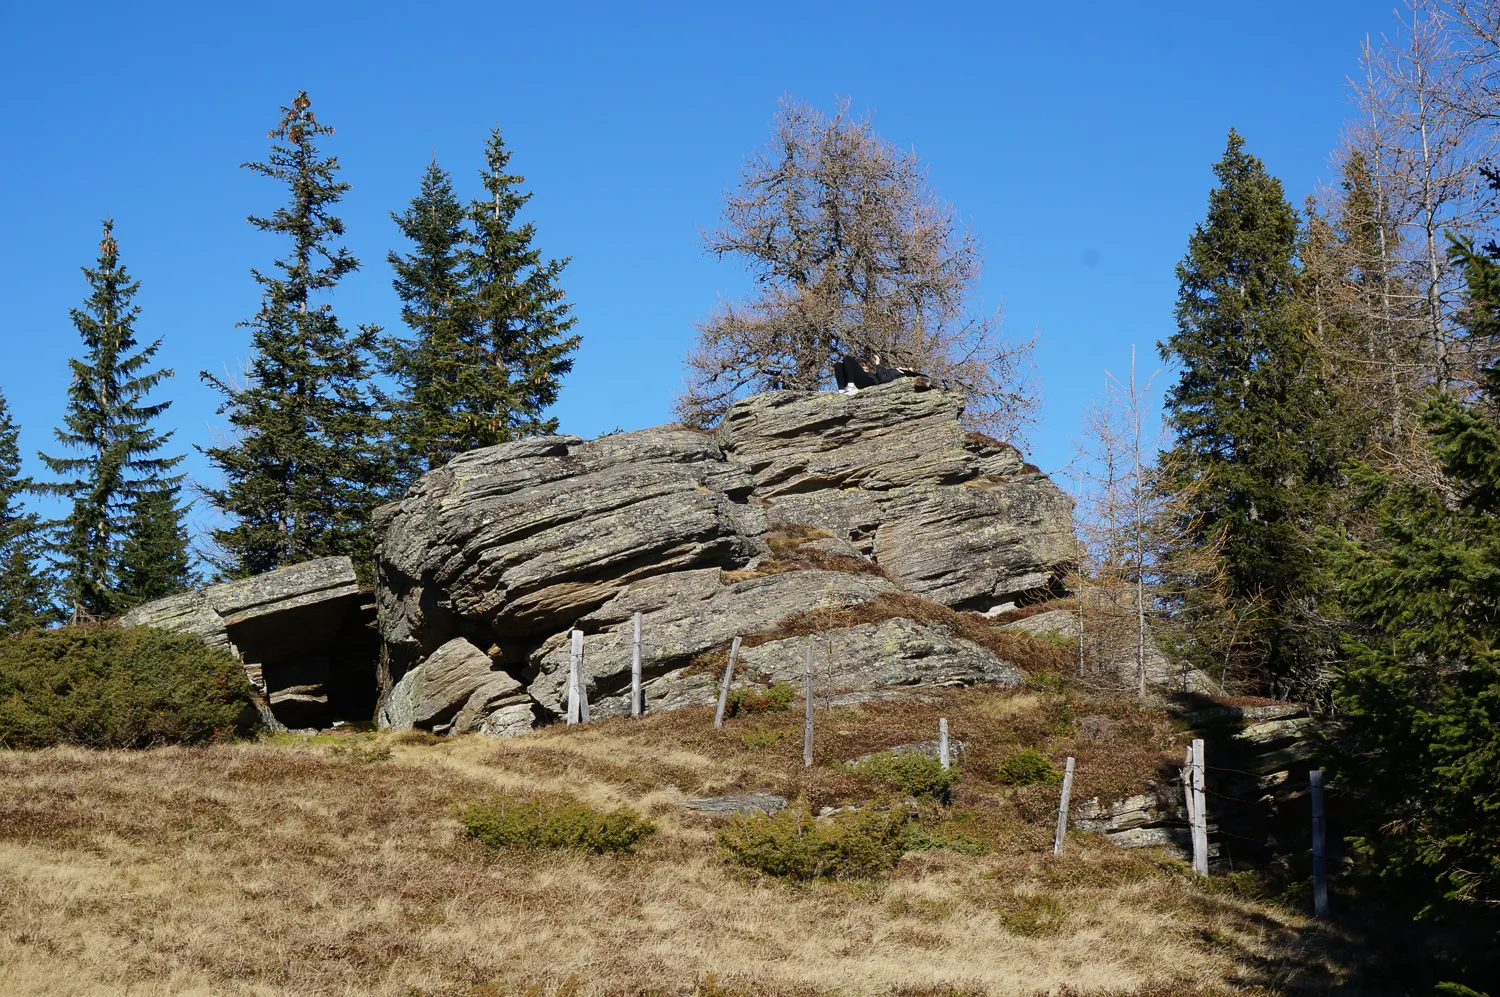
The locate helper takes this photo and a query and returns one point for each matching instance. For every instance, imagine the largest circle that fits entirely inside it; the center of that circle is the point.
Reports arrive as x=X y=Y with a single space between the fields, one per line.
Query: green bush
x=759 y=700
x=1029 y=768
x=528 y=823
x=909 y=772
x=795 y=845
x=116 y=687
x=924 y=839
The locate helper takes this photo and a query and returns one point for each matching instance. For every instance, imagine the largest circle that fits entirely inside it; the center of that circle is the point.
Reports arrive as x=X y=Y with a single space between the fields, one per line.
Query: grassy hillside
x=337 y=865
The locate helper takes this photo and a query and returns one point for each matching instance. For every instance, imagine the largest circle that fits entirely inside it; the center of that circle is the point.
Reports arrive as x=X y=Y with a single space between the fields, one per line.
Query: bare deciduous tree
x=852 y=254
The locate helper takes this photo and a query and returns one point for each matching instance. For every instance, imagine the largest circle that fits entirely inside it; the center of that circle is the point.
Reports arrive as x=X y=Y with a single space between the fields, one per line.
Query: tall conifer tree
x=112 y=423
x=430 y=414
x=1246 y=409
x=25 y=589
x=520 y=347
x=305 y=468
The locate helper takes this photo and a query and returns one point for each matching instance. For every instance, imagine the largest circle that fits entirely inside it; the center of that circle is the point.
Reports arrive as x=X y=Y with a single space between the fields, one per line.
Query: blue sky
x=1078 y=144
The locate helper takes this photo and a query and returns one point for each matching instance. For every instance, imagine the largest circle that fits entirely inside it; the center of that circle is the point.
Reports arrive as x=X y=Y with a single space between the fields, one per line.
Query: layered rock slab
x=298 y=630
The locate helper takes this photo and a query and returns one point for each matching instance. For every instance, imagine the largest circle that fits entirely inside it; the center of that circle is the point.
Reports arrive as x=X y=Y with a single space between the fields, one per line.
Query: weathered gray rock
x=458 y=691
x=513 y=546
x=950 y=515
x=517 y=541
x=684 y=615
x=737 y=806
x=287 y=626
x=930 y=749
x=1112 y=636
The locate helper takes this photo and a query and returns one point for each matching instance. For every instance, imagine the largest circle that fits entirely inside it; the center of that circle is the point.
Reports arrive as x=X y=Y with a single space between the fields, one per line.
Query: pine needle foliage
x=154 y=561
x=25 y=588
x=1247 y=410
x=489 y=342
x=111 y=422
x=1420 y=683
x=306 y=465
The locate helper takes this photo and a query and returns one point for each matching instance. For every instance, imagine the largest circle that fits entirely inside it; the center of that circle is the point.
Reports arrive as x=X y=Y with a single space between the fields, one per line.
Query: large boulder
x=303 y=632
x=457 y=690
x=511 y=547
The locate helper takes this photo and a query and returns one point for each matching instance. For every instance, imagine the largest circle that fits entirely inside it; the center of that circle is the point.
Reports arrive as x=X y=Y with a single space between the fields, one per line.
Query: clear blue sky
x=1077 y=139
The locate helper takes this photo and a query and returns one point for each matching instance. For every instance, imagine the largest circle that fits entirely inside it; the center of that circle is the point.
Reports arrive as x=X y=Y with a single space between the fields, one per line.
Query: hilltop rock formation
x=802 y=501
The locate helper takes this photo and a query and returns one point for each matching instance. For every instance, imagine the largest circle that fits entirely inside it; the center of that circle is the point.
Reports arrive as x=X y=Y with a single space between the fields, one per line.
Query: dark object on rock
x=849 y=371
x=730 y=806
x=303 y=633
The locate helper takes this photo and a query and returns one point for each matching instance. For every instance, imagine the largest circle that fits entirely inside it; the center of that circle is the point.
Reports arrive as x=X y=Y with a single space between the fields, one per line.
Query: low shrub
x=795 y=845
x=759 y=699
x=1029 y=768
x=530 y=823
x=926 y=839
x=909 y=772
x=119 y=687
x=1033 y=916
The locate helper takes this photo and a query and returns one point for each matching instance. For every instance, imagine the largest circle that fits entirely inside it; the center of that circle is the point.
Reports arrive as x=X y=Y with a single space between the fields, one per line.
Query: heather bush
x=1029 y=768
x=909 y=772
x=118 y=687
x=795 y=845
x=531 y=823
x=759 y=699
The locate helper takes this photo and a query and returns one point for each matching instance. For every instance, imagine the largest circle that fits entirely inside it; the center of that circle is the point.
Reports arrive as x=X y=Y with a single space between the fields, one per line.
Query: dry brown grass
x=335 y=867
x=790 y=552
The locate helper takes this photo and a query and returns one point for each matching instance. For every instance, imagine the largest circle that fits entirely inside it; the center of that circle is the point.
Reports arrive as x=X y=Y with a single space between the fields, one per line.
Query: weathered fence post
x=1319 y=860
x=575 y=671
x=1199 y=811
x=1062 y=808
x=637 y=695
x=943 y=741
x=807 y=726
x=734 y=652
x=578 y=693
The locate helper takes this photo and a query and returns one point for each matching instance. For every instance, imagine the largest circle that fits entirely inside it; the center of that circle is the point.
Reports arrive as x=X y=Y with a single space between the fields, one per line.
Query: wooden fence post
x=807 y=726
x=575 y=653
x=637 y=695
x=943 y=742
x=734 y=652
x=1062 y=808
x=1319 y=860
x=578 y=693
x=1199 y=812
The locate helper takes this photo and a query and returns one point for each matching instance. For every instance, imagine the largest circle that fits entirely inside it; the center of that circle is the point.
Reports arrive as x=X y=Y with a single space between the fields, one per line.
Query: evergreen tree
x=1247 y=412
x=25 y=591
x=519 y=349
x=429 y=418
x=1420 y=686
x=110 y=421
x=154 y=561
x=305 y=469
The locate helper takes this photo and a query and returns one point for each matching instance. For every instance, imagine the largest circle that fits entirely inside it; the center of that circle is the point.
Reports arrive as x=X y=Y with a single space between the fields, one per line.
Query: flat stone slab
x=736 y=806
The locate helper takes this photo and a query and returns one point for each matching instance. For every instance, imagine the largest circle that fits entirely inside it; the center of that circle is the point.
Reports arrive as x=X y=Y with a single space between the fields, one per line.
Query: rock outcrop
x=304 y=634
x=509 y=548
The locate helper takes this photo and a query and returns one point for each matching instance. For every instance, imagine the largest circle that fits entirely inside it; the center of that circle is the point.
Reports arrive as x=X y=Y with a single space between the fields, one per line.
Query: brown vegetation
x=337 y=865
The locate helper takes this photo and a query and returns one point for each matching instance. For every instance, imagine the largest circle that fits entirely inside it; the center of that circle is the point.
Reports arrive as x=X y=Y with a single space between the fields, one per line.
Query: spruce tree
x=1246 y=411
x=305 y=468
x=155 y=561
x=429 y=413
x=112 y=423
x=519 y=349
x=25 y=588
x=1419 y=694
